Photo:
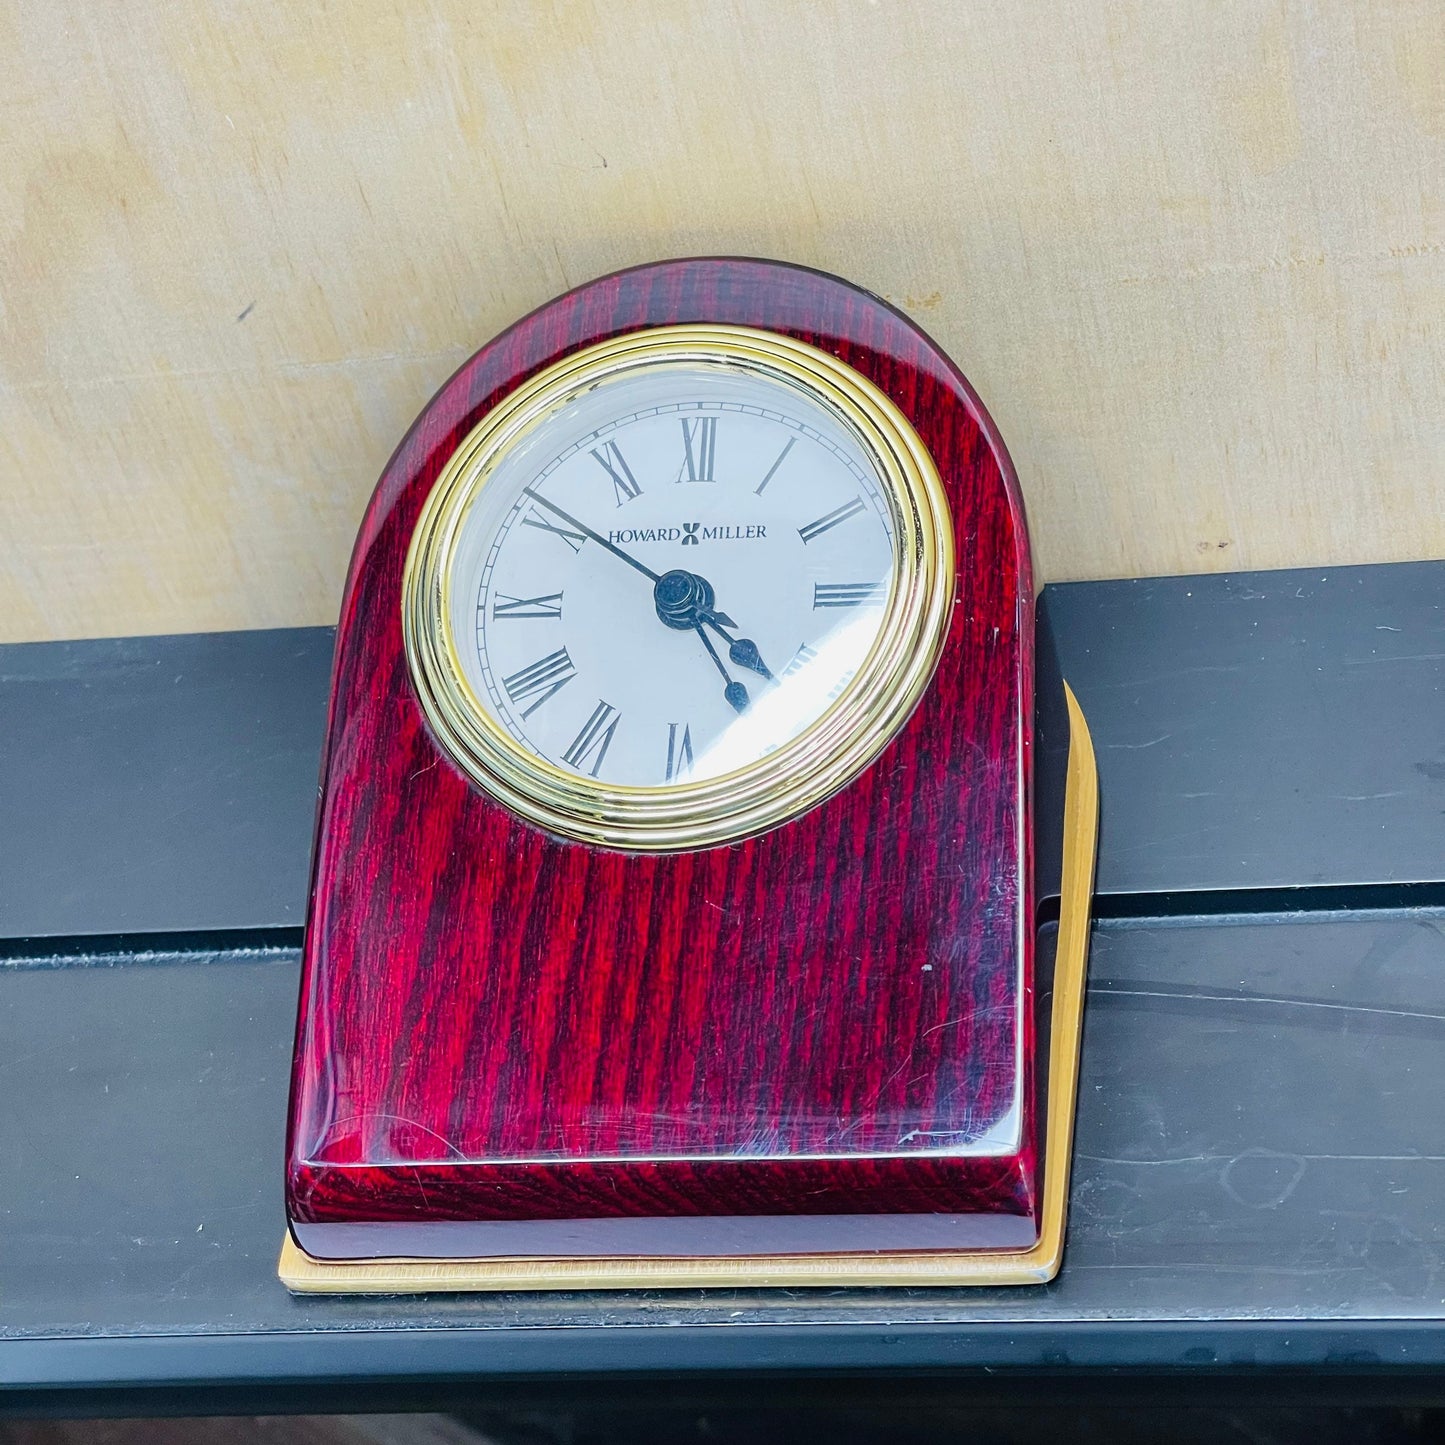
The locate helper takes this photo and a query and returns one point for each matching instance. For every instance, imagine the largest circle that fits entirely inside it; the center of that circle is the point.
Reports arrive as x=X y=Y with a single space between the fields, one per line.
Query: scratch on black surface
x=1374 y=661
x=1209 y=1159
x=1136 y=747
x=1103 y=991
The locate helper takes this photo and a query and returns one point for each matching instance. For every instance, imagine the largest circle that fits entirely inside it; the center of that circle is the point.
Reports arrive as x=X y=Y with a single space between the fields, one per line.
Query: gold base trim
x=304 y=1275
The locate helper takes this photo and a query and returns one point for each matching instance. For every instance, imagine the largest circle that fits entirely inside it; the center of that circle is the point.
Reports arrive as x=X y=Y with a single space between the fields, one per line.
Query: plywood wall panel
x=1192 y=256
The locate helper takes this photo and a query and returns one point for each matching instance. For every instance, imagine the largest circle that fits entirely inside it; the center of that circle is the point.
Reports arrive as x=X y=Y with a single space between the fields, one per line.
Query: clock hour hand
x=685 y=601
x=597 y=537
x=742 y=650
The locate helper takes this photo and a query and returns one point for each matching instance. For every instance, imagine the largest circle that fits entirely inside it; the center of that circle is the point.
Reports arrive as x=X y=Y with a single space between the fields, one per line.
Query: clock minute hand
x=684 y=601
x=587 y=531
x=734 y=693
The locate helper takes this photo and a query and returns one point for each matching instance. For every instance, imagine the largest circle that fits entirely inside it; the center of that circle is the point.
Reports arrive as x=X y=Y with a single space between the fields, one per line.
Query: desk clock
x=672 y=919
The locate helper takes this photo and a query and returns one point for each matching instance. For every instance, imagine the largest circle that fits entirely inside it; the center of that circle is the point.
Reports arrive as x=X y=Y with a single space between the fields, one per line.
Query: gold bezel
x=826 y=755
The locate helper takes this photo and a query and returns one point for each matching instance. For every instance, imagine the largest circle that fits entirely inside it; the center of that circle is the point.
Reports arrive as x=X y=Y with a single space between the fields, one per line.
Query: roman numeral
x=847 y=594
x=699 y=440
x=611 y=460
x=573 y=539
x=800 y=659
x=679 y=750
x=594 y=739
x=829 y=520
x=549 y=605
x=758 y=490
x=545 y=677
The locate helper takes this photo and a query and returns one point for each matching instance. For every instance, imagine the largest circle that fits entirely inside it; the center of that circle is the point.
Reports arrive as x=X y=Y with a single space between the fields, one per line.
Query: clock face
x=675 y=575
x=678 y=587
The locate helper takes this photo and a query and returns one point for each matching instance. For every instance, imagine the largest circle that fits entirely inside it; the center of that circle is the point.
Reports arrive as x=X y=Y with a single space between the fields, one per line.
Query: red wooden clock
x=672 y=917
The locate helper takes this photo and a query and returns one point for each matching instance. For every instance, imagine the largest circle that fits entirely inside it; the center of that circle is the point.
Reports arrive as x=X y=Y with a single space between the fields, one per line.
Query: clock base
x=819 y=1264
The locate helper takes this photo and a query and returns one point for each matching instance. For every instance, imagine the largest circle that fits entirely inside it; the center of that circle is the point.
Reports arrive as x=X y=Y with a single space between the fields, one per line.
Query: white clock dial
x=672 y=575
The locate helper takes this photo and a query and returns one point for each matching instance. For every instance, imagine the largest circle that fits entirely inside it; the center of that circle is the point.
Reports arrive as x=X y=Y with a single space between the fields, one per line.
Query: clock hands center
x=683 y=600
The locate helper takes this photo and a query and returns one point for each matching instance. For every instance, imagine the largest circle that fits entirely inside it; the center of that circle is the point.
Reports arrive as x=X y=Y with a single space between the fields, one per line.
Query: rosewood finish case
x=817 y=1039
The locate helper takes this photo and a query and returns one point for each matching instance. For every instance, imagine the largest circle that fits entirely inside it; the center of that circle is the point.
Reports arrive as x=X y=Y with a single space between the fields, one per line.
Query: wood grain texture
x=1192 y=256
x=1059 y=1001
x=501 y=1025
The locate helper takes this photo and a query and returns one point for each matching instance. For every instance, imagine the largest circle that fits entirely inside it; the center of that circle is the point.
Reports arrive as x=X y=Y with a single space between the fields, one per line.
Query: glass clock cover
x=675 y=574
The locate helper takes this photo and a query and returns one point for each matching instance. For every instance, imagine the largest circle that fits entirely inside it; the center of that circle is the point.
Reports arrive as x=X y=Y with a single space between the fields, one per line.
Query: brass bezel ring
x=820 y=760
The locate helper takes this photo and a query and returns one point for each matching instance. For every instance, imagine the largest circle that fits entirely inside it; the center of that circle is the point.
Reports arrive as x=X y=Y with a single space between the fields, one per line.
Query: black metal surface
x=1271 y=729
x=1259 y=1139
x=1263 y=729
x=1261 y=1149
x=159 y=784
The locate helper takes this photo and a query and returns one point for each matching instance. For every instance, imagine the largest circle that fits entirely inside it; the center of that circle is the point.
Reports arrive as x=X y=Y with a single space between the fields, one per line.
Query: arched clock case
x=673 y=914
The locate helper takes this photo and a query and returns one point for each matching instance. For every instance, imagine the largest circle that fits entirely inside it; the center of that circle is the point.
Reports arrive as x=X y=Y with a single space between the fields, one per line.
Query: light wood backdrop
x=1191 y=253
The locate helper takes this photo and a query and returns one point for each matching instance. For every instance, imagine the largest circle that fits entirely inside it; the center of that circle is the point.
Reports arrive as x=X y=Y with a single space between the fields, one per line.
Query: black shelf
x=1261 y=1149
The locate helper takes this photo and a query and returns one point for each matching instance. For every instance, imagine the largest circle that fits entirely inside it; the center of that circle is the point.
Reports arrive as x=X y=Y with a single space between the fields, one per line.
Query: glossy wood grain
x=501 y=1025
